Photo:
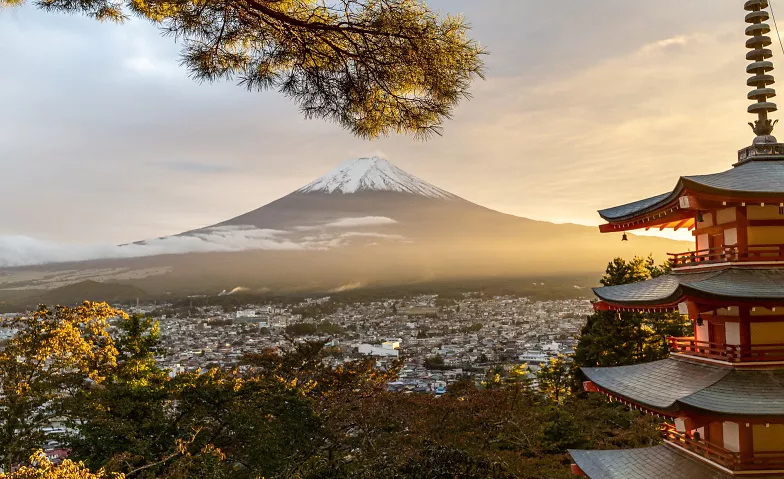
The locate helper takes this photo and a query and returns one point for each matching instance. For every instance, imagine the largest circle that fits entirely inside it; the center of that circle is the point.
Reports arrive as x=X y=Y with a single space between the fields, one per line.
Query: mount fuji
x=367 y=222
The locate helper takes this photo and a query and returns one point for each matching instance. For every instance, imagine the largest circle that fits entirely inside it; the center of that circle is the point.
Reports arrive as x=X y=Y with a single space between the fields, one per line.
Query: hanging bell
x=700 y=321
x=625 y=238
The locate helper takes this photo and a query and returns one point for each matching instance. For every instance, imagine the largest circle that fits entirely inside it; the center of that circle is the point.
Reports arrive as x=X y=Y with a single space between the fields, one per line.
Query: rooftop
x=666 y=291
x=756 y=179
x=670 y=385
x=648 y=463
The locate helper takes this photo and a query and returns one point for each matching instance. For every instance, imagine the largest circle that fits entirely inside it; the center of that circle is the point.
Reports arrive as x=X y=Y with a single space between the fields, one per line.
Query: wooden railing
x=727 y=352
x=719 y=455
x=734 y=461
x=728 y=254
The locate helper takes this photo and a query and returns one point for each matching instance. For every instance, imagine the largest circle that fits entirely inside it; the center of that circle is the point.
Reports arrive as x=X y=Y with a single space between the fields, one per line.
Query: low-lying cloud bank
x=26 y=251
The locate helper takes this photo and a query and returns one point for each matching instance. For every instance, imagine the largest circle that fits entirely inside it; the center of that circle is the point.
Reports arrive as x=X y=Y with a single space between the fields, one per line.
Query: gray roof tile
x=659 y=384
x=754 y=283
x=649 y=463
x=754 y=178
x=671 y=384
x=631 y=209
x=758 y=393
x=733 y=282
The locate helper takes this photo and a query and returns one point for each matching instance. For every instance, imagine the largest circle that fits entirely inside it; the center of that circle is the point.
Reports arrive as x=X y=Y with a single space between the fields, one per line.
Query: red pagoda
x=721 y=391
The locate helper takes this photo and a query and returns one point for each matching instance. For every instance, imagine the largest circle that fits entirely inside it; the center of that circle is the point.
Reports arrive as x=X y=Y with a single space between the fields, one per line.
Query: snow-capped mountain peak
x=372 y=174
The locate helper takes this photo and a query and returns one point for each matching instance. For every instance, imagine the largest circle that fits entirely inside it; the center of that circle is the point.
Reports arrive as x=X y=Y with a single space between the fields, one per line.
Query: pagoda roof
x=647 y=463
x=670 y=385
x=758 y=392
x=731 y=283
x=659 y=384
x=753 y=179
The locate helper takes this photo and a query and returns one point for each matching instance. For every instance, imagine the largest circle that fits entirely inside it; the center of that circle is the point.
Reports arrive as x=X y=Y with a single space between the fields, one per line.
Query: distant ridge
x=91 y=291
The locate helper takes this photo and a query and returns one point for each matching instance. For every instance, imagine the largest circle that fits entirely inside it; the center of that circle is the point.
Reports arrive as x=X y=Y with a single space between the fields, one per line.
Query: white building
x=385 y=350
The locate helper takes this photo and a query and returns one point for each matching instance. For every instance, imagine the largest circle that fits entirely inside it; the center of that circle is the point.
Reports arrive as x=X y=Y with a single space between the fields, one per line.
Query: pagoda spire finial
x=760 y=68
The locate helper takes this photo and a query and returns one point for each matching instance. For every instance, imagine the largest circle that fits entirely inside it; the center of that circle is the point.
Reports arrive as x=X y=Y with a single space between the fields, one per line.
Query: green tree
x=53 y=353
x=127 y=419
x=435 y=362
x=620 y=271
x=561 y=431
x=612 y=338
x=555 y=379
x=373 y=66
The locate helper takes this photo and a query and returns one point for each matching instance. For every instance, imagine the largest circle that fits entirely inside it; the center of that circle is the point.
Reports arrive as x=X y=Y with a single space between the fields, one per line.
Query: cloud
x=363 y=221
x=351 y=222
x=358 y=234
x=25 y=251
x=346 y=287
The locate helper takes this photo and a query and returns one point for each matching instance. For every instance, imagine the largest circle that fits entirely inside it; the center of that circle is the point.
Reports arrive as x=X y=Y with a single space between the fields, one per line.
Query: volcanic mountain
x=367 y=222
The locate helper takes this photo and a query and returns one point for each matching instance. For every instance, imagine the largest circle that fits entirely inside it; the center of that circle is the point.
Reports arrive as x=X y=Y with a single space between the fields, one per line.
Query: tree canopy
x=612 y=338
x=375 y=67
x=283 y=413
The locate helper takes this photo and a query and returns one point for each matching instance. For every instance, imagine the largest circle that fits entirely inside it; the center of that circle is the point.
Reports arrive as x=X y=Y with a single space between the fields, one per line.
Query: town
x=438 y=341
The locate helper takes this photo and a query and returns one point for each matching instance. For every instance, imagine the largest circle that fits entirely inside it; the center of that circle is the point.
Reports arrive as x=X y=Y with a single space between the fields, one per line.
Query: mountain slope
x=365 y=223
x=92 y=291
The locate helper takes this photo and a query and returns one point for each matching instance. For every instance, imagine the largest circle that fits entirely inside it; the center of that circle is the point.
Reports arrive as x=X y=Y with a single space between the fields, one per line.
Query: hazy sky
x=587 y=104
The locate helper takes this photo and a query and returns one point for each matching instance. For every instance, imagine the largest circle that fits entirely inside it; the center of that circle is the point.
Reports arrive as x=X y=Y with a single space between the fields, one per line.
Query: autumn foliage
x=285 y=413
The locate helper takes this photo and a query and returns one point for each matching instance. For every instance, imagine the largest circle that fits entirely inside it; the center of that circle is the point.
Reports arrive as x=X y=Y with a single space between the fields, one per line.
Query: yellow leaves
x=157 y=11
x=43 y=468
x=212 y=450
x=52 y=343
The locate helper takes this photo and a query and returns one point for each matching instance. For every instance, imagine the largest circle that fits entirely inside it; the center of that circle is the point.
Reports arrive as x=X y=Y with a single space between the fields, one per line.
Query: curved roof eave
x=636 y=208
x=645 y=463
x=739 y=283
x=748 y=393
x=658 y=385
x=763 y=284
x=754 y=179
x=672 y=384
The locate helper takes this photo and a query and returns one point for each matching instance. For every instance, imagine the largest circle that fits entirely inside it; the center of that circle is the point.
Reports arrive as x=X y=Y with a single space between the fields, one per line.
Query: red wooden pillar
x=746 y=442
x=745 y=328
x=694 y=312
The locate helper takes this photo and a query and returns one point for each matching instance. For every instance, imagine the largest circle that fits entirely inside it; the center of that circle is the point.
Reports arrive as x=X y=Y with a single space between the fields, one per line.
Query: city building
x=386 y=350
x=721 y=391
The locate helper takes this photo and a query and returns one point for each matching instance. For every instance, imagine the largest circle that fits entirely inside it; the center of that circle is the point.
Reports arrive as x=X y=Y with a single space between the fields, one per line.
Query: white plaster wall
x=731 y=436
x=731 y=237
x=702 y=332
x=733 y=333
x=702 y=242
x=727 y=215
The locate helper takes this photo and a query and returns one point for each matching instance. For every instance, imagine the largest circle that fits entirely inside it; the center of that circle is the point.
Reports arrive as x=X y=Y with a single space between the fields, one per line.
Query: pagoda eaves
x=721 y=391
x=754 y=183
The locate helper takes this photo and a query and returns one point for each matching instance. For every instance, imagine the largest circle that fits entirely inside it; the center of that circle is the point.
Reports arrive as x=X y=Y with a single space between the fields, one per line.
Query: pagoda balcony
x=728 y=254
x=731 y=353
x=734 y=461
